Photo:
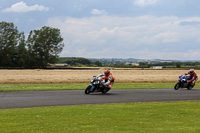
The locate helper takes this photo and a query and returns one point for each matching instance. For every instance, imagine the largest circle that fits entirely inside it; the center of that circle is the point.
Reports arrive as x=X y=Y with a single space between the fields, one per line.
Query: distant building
x=166 y=61
x=134 y=64
x=58 y=65
x=157 y=67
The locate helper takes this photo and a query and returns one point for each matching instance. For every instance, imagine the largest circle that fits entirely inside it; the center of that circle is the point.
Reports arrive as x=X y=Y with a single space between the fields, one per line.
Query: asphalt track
x=27 y=99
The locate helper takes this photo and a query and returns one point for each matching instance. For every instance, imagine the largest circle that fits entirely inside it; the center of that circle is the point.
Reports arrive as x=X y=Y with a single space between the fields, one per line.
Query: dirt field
x=84 y=76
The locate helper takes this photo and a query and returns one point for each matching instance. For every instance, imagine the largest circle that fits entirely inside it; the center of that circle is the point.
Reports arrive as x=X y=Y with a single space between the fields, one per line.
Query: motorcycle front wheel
x=87 y=90
x=176 y=87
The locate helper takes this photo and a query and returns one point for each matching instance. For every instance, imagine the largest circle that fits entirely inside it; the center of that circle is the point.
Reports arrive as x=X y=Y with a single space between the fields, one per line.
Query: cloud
x=143 y=3
x=23 y=7
x=186 y=23
x=189 y=55
x=137 y=37
x=98 y=12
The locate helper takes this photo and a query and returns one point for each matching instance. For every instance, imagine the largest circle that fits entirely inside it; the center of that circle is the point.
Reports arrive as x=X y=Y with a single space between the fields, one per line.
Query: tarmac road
x=27 y=99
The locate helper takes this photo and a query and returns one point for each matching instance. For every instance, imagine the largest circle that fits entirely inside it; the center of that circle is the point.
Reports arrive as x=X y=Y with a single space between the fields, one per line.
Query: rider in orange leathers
x=108 y=77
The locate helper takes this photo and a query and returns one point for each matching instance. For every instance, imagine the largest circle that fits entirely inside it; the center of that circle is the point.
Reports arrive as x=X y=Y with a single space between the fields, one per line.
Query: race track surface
x=27 y=99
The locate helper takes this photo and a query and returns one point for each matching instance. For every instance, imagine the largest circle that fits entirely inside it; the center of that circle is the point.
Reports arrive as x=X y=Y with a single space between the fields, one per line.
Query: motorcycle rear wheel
x=87 y=90
x=176 y=87
x=105 y=90
x=189 y=87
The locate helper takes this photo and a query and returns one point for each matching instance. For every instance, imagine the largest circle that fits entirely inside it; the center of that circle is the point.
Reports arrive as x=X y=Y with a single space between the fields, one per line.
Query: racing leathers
x=109 y=79
x=193 y=78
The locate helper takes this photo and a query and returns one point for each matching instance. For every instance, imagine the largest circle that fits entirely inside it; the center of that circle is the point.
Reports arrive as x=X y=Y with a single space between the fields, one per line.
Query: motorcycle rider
x=108 y=77
x=193 y=77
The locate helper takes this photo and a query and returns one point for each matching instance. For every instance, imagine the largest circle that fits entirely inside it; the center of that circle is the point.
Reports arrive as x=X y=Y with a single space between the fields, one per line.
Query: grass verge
x=82 y=86
x=168 y=117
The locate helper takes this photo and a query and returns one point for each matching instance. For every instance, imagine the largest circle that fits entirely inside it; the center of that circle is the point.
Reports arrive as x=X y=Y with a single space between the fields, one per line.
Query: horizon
x=131 y=58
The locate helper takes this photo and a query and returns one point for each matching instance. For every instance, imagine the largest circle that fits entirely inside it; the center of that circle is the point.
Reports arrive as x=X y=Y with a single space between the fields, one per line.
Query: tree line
x=175 y=64
x=41 y=47
x=80 y=61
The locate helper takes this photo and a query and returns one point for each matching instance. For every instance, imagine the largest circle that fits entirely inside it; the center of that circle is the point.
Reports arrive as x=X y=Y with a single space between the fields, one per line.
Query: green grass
x=38 y=87
x=82 y=86
x=163 y=117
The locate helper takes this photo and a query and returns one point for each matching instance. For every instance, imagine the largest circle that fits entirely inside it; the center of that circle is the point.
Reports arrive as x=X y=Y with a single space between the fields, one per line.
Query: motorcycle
x=183 y=83
x=97 y=85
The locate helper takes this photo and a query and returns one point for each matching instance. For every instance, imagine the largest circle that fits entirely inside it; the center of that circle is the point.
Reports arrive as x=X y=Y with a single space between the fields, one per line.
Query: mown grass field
x=82 y=86
x=162 y=117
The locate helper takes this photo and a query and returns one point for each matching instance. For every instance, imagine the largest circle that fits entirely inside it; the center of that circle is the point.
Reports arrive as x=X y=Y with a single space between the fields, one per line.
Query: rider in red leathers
x=193 y=77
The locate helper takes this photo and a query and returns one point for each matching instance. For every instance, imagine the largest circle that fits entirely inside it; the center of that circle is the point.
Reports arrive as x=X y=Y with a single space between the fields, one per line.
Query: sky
x=141 y=29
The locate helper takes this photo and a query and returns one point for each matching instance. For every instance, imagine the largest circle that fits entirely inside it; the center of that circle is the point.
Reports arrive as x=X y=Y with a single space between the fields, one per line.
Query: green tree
x=98 y=63
x=178 y=64
x=75 y=61
x=22 y=53
x=143 y=63
x=44 y=45
x=8 y=44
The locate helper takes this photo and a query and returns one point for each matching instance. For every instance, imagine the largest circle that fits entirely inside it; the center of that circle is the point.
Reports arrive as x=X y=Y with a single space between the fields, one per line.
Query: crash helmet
x=191 y=71
x=107 y=72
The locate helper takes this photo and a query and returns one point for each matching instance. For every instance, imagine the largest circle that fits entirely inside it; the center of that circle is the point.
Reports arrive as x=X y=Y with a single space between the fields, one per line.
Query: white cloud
x=138 y=37
x=189 y=55
x=98 y=12
x=143 y=3
x=23 y=7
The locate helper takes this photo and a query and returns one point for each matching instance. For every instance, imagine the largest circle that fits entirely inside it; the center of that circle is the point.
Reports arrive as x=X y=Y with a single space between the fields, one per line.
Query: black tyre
x=189 y=87
x=176 y=87
x=87 y=90
x=105 y=90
